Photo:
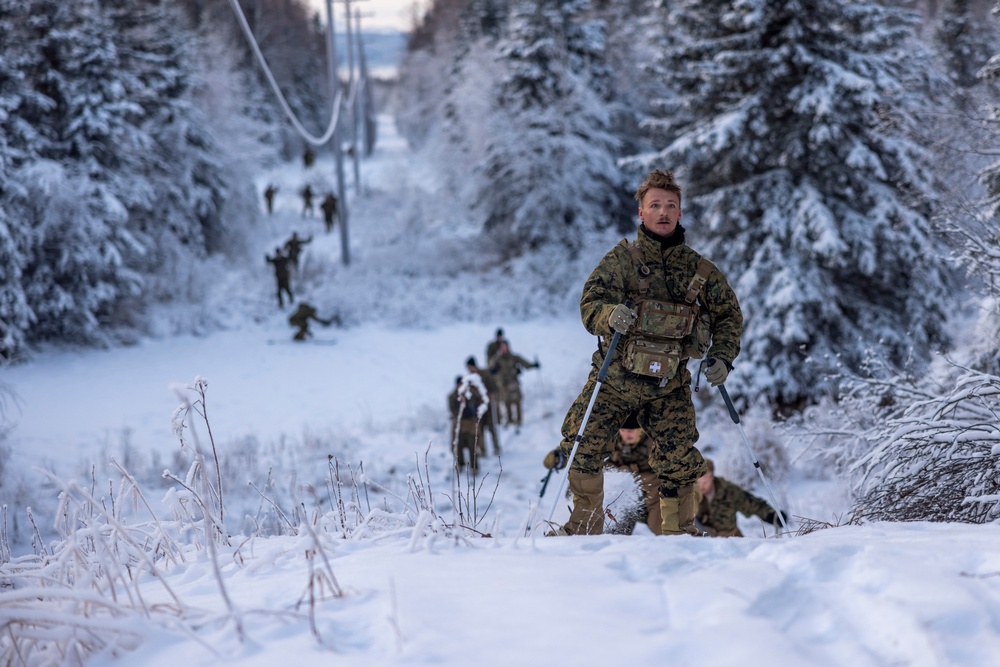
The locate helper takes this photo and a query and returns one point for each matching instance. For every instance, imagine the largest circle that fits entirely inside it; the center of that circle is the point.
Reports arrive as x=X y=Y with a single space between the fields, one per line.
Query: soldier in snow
x=506 y=367
x=631 y=452
x=269 y=197
x=301 y=317
x=307 y=201
x=329 y=206
x=680 y=301
x=281 y=275
x=463 y=404
x=487 y=423
x=494 y=345
x=293 y=248
x=721 y=500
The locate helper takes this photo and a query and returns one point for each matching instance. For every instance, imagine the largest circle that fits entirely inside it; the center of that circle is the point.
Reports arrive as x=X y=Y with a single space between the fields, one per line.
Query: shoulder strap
x=639 y=261
x=698 y=280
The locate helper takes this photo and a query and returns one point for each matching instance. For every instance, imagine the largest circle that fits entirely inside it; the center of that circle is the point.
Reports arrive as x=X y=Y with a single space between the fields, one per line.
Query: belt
x=645 y=379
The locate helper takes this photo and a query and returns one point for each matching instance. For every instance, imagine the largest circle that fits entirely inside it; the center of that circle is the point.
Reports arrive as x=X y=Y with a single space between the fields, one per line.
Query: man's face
x=660 y=211
x=630 y=436
x=705 y=483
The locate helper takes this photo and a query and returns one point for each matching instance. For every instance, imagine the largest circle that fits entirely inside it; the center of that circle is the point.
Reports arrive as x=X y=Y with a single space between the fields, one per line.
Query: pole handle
x=603 y=373
x=735 y=416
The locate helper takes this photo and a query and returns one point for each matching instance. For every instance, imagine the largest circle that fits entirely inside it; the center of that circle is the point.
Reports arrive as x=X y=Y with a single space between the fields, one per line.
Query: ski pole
x=545 y=482
x=601 y=375
x=746 y=443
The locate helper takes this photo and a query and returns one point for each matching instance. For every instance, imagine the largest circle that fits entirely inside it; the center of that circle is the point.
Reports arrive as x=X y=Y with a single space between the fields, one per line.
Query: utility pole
x=334 y=76
x=352 y=86
x=367 y=100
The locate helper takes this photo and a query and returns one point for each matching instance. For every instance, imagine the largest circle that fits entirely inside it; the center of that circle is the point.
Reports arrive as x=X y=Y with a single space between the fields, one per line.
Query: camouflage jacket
x=719 y=516
x=489 y=381
x=631 y=457
x=506 y=368
x=616 y=279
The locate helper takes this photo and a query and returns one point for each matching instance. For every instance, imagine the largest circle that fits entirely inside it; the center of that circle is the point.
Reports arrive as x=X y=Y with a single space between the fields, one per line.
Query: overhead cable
x=334 y=112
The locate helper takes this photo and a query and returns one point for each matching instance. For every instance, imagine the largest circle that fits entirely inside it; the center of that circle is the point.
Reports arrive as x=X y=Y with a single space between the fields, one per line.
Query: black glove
x=536 y=365
x=772 y=517
x=555 y=460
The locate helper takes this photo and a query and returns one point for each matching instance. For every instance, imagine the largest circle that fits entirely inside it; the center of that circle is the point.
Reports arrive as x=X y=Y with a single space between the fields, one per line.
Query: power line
x=338 y=98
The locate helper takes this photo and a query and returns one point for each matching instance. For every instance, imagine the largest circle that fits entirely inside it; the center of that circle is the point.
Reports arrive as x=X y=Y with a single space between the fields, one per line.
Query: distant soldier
x=494 y=345
x=300 y=318
x=281 y=275
x=329 y=207
x=631 y=453
x=463 y=403
x=488 y=422
x=506 y=367
x=721 y=500
x=308 y=157
x=293 y=248
x=269 y=197
x=307 y=201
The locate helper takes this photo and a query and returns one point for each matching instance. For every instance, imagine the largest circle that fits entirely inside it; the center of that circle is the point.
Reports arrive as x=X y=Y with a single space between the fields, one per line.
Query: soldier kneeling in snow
x=300 y=318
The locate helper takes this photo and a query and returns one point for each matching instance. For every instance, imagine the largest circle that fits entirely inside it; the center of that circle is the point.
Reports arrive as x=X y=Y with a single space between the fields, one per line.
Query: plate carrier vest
x=666 y=333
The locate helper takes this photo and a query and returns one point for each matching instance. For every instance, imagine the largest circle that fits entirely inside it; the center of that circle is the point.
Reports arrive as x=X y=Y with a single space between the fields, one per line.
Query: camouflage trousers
x=510 y=396
x=464 y=444
x=666 y=415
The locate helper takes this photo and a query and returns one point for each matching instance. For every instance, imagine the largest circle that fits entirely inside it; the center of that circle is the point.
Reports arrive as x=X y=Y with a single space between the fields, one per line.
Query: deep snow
x=881 y=594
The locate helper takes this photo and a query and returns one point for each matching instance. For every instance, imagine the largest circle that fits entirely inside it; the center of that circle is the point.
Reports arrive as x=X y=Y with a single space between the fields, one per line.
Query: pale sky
x=396 y=14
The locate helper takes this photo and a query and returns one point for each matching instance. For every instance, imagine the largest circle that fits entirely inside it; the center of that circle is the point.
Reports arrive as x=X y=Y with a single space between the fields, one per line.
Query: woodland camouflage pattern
x=635 y=459
x=665 y=413
x=719 y=516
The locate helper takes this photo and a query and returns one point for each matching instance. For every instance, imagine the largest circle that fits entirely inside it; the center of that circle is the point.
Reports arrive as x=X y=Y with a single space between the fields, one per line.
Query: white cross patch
x=655 y=367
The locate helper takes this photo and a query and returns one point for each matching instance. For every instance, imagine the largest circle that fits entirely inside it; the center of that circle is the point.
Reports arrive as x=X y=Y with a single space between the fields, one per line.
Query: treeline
x=126 y=131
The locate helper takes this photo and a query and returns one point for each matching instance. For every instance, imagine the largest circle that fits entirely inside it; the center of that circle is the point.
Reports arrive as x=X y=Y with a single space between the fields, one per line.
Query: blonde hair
x=664 y=180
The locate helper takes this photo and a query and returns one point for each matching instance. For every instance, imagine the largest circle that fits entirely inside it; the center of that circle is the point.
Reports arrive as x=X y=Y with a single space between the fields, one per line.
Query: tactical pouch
x=663 y=319
x=696 y=343
x=656 y=346
x=652 y=358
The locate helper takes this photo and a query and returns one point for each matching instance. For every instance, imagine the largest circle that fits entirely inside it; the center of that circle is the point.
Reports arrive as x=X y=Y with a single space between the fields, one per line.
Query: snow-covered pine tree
x=549 y=173
x=15 y=315
x=928 y=448
x=980 y=250
x=177 y=212
x=990 y=177
x=801 y=183
x=78 y=265
x=964 y=37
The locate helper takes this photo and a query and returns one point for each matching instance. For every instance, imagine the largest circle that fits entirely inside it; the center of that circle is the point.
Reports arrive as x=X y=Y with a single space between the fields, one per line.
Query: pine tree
x=963 y=38
x=549 y=173
x=802 y=184
x=990 y=177
x=15 y=315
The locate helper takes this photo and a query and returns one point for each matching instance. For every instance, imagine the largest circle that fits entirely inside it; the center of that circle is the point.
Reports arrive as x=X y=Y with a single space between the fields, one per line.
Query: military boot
x=587 y=517
x=679 y=509
x=687 y=510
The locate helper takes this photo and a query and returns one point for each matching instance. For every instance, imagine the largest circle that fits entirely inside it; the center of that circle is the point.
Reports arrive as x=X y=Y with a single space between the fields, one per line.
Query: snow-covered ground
x=392 y=581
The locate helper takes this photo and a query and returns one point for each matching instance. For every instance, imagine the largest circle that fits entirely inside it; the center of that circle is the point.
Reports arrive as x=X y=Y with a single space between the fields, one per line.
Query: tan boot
x=587 y=517
x=687 y=510
x=679 y=509
x=669 y=513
